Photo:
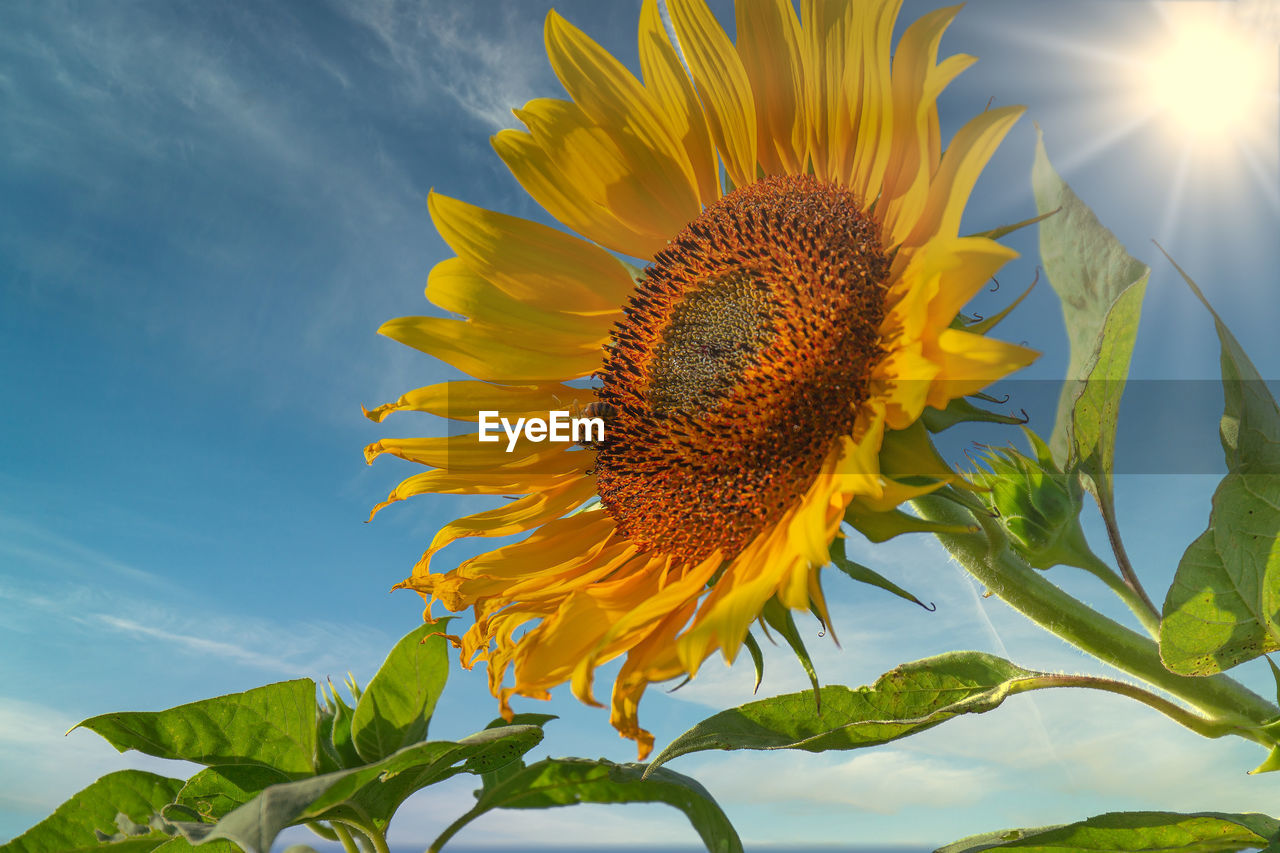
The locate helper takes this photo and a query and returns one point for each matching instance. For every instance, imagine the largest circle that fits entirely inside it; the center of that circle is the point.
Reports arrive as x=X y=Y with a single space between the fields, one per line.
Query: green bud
x=1038 y=506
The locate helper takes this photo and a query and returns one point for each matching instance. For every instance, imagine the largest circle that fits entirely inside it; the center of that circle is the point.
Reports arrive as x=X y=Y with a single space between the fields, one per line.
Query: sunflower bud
x=1038 y=506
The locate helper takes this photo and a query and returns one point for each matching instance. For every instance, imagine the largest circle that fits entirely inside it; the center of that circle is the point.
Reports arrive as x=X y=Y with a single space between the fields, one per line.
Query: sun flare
x=1210 y=80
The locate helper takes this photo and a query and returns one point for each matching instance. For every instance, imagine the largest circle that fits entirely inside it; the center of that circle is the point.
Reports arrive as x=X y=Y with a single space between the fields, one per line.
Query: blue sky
x=210 y=208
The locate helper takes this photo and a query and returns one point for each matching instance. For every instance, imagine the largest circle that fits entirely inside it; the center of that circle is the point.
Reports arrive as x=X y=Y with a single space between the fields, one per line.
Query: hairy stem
x=368 y=832
x=1134 y=599
x=344 y=835
x=1200 y=725
x=988 y=558
x=1106 y=505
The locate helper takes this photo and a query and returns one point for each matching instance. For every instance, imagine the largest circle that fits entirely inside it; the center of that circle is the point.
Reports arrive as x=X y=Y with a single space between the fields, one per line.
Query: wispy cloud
x=40 y=766
x=884 y=781
x=22 y=540
x=484 y=58
x=49 y=578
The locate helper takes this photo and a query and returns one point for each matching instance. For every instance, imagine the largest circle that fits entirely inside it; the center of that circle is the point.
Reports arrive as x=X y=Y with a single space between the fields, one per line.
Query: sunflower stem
x=1107 y=507
x=344 y=835
x=1203 y=726
x=1126 y=593
x=988 y=558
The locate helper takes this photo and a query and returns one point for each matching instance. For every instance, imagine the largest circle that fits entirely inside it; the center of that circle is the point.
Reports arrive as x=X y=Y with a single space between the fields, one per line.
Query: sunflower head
x=761 y=381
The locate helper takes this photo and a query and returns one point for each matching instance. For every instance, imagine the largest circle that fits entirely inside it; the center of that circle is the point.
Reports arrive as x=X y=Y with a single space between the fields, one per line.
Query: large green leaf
x=914 y=697
x=273 y=725
x=75 y=825
x=1101 y=289
x=178 y=844
x=569 y=781
x=216 y=791
x=371 y=792
x=1223 y=607
x=396 y=706
x=1148 y=832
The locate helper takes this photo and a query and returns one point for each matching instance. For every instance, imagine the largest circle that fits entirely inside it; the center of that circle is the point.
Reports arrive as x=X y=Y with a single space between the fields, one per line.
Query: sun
x=1210 y=80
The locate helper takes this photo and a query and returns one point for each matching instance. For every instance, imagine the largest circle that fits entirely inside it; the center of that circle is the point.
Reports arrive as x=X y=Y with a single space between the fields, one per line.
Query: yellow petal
x=488 y=355
x=965 y=159
x=722 y=84
x=964 y=266
x=972 y=362
x=917 y=81
x=468 y=483
x=874 y=110
x=465 y=399
x=546 y=181
x=666 y=80
x=769 y=43
x=828 y=27
x=453 y=286
x=650 y=661
x=612 y=97
x=516 y=517
x=531 y=262
x=598 y=168
x=466 y=453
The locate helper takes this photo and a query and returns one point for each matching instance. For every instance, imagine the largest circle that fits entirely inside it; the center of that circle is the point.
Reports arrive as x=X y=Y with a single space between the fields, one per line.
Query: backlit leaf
x=1148 y=832
x=914 y=697
x=273 y=725
x=395 y=707
x=569 y=781
x=1101 y=288
x=74 y=825
x=1223 y=607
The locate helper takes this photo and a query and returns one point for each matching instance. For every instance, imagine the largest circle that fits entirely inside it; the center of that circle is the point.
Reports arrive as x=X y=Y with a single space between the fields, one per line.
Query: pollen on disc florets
x=743 y=355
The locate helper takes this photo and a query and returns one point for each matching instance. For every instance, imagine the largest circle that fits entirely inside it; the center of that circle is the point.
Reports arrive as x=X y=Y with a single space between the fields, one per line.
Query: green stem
x=1135 y=601
x=1106 y=505
x=369 y=831
x=344 y=835
x=321 y=830
x=452 y=829
x=989 y=559
x=1200 y=725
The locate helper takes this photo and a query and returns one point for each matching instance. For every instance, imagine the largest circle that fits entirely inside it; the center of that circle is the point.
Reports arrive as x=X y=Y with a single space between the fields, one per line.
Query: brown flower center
x=743 y=354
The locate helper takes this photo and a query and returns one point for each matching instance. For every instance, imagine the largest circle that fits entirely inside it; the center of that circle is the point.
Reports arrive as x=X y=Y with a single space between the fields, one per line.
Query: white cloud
x=51 y=579
x=487 y=64
x=885 y=780
x=40 y=766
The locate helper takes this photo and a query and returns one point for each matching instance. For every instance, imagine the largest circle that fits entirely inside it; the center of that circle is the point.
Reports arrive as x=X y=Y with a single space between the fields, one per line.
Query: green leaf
x=340 y=731
x=909 y=699
x=273 y=725
x=779 y=618
x=883 y=526
x=568 y=781
x=757 y=658
x=1223 y=607
x=372 y=792
x=862 y=574
x=74 y=825
x=1005 y=230
x=396 y=706
x=489 y=778
x=960 y=411
x=216 y=791
x=178 y=844
x=1101 y=288
x=1149 y=832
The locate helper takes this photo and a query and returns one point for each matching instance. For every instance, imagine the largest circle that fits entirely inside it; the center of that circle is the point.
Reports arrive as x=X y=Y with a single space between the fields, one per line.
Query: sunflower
x=762 y=380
